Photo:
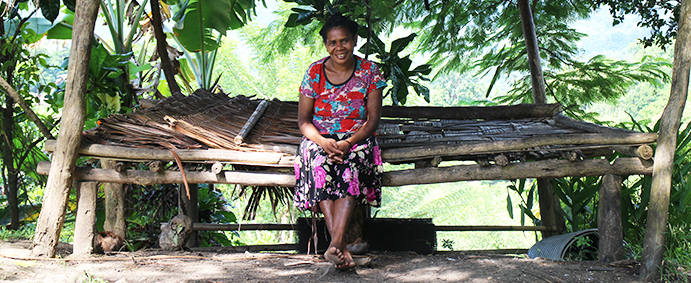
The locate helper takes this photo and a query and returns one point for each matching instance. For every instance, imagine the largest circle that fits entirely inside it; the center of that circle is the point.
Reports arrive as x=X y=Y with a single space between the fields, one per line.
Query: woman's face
x=340 y=45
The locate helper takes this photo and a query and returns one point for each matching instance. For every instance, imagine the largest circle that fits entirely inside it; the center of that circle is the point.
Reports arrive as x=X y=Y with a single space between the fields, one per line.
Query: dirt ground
x=16 y=265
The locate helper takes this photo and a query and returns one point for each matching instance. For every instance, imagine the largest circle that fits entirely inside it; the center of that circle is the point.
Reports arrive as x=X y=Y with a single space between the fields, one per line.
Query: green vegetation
x=473 y=50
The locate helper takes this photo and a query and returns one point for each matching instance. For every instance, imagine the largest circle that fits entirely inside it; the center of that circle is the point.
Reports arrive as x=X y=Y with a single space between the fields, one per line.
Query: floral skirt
x=317 y=178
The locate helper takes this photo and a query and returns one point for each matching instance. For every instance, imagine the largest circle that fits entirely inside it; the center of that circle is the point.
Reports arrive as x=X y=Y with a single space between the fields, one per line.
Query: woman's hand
x=343 y=148
x=332 y=148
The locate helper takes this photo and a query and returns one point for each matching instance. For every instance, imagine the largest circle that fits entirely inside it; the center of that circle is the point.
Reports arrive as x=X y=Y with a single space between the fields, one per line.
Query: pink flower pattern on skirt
x=319 y=179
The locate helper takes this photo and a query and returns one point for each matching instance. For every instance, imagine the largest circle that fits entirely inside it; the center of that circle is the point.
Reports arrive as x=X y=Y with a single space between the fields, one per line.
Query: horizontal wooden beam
x=290 y=227
x=521 y=170
x=604 y=139
x=146 y=177
x=242 y=227
x=186 y=155
x=494 y=228
x=251 y=248
x=430 y=175
x=504 y=112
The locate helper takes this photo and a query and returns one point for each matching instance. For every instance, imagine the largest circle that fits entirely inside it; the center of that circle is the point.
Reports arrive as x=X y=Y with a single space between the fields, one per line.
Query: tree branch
x=161 y=48
x=30 y=113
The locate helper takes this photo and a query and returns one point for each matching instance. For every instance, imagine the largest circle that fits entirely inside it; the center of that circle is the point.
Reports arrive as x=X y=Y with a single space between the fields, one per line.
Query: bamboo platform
x=249 y=142
x=210 y=128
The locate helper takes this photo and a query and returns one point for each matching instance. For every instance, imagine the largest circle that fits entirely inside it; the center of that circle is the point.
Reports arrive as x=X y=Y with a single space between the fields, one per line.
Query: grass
x=677 y=259
x=24 y=232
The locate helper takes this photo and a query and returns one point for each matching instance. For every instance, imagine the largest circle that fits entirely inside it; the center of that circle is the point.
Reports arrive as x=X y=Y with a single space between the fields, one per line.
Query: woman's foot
x=348 y=261
x=335 y=255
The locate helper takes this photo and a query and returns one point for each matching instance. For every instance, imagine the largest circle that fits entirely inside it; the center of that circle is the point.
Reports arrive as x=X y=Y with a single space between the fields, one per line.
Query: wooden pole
x=536 y=76
x=611 y=236
x=52 y=217
x=115 y=203
x=535 y=169
x=548 y=202
x=85 y=222
x=146 y=177
x=654 y=241
x=161 y=48
x=202 y=155
x=25 y=106
x=290 y=227
x=254 y=118
x=422 y=152
x=502 y=112
x=191 y=204
x=242 y=227
x=550 y=207
x=429 y=175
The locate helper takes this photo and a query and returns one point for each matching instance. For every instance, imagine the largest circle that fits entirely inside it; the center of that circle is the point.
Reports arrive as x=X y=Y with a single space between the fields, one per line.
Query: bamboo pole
x=399 y=154
x=654 y=241
x=52 y=217
x=256 y=115
x=430 y=175
x=503 y=112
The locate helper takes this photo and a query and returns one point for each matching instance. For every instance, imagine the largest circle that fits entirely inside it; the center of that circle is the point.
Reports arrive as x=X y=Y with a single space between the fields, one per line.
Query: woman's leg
x=337 y=215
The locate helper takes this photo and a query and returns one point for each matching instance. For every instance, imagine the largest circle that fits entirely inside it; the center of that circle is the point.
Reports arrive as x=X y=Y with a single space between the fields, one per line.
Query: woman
x=339 y=162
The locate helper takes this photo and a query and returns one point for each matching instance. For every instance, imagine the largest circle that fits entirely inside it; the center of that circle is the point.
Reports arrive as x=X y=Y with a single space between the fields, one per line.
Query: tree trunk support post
x=114 y=203
x=654 y=241
x=536 y=76
x=549 y=208
x=611 y=236
x=52 y=217
x=190 y=208
x=85 y=222
x=549 y=203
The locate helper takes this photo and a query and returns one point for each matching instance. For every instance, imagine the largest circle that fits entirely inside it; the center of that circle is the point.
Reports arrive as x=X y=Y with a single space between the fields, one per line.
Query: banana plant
x=198 y=27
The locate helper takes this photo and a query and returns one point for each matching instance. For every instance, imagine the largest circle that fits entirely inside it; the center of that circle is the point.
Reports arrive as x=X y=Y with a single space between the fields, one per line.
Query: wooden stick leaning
x=256 y=115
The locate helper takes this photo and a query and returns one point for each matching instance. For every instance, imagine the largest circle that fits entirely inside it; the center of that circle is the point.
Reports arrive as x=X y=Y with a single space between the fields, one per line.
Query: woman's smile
x=340 y=44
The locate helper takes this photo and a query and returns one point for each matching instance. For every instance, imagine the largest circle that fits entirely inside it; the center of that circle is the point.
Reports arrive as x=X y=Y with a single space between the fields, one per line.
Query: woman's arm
x=374 y=103
x=305 y=112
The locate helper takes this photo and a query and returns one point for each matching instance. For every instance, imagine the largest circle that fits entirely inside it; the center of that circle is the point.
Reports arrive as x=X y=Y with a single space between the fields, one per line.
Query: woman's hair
x=338 y=20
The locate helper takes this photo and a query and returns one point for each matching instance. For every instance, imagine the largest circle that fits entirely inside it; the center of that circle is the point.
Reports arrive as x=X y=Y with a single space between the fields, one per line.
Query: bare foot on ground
x=348 y=261
x=335 y=255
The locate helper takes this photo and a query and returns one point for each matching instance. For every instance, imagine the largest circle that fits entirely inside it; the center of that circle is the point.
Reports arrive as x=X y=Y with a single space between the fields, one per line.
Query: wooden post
x=161 y=48
x=114 y=203
x=52 y=217
x=549 y=208
x=536 y=76
x=654 y=241
x=611 y=243
x=190 y=209
x=549 y=203
x=85 y=222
